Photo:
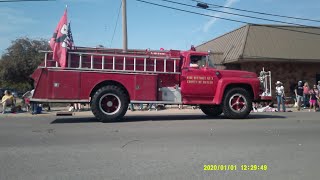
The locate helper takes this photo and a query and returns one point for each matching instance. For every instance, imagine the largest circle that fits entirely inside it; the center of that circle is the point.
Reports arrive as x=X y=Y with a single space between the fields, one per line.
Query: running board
x=60 y=100
x=87 y=101
x=155 y=102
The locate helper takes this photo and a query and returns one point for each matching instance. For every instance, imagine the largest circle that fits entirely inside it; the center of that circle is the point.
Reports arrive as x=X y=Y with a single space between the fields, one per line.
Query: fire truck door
x=198 y=82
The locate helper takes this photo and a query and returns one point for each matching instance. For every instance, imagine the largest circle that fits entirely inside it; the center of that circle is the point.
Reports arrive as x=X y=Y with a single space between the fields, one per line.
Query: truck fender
x=219 y=91
x=106 y=83
x=222 y=85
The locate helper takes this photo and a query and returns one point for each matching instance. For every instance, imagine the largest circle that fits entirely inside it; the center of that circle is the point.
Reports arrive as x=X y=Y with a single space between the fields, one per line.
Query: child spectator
x=314 y=96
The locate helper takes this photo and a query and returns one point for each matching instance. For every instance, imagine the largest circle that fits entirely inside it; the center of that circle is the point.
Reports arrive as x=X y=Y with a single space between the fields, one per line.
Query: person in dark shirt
x=293 y=86
x=299 y=94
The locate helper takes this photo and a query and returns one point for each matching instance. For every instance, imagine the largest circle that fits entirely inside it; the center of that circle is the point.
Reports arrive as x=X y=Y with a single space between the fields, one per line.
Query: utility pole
x=124 y=26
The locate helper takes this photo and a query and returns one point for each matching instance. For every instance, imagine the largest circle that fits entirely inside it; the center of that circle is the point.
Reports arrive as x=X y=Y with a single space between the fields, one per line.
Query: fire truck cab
x=110 y=79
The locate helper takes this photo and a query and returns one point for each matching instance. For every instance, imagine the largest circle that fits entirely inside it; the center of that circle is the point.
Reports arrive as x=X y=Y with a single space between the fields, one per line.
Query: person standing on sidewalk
x=299 y=94
x=280 y=96
x=77 y=107
x=318 y=87
x=34 y=105
x=314 y=96
x=131 y=107
x=306 y=95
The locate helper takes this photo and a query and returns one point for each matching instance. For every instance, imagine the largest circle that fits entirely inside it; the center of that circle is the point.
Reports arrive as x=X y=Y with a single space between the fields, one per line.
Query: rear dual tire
x=109 y=103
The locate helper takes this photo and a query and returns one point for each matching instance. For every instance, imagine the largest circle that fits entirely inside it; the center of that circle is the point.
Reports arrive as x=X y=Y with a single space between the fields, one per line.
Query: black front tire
x=117 y=96
x=211 y=110
x=234 y=110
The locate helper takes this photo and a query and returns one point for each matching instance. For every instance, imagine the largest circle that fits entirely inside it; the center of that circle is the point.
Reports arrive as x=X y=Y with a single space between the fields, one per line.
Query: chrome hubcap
x=238 y=103
x=109 y=104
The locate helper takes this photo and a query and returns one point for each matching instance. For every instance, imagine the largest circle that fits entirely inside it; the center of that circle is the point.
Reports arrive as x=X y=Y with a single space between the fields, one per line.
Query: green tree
x=19 y=61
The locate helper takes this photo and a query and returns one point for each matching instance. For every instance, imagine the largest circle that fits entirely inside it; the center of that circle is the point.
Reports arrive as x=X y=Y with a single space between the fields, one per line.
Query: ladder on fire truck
x=156 y=62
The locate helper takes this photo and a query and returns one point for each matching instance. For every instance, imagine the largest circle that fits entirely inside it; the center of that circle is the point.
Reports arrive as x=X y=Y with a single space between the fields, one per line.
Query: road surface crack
x=129 y=143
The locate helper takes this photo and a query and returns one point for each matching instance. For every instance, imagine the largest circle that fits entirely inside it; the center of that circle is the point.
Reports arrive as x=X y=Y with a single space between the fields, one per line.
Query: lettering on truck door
x=198 y=79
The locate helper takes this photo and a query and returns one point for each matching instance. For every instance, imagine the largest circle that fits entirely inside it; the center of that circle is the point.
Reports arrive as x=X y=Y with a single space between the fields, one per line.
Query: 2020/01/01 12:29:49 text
x=234 y=167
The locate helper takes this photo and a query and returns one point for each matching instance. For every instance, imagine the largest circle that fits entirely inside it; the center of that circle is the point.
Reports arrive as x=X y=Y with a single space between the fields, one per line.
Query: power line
x=271 y=20
x=24 y=1
x=262 y=13
x=192 y=12
x=115 y=27
x=228 y=19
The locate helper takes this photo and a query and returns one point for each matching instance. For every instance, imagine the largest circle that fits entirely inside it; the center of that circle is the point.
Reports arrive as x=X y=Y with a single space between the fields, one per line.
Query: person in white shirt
x=280 y=96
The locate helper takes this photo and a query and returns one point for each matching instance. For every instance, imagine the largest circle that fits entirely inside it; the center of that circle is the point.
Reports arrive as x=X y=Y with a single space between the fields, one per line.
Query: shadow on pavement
x=162 y=118
x=265 y=116
x=75 y=120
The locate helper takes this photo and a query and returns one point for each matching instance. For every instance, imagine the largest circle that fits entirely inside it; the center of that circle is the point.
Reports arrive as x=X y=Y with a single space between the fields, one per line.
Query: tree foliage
x=19 y=61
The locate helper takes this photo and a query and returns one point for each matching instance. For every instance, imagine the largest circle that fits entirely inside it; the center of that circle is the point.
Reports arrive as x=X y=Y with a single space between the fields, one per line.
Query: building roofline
x=277 y=59
x=283 y=25
x=245 y=42
x=258 y=25
x=223 y=35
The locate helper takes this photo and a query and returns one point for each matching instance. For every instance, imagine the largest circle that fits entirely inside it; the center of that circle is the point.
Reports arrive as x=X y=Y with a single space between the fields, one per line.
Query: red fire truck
x=110 y=79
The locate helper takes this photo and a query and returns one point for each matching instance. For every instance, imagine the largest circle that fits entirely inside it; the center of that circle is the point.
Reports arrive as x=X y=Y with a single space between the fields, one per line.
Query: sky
x=93 y=21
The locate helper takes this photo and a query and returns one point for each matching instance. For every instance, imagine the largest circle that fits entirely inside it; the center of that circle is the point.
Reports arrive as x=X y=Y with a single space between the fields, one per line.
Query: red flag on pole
x=58 y=42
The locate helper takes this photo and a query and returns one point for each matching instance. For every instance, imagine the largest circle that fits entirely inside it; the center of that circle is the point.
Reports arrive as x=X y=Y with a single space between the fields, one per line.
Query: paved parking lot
x=169 y=144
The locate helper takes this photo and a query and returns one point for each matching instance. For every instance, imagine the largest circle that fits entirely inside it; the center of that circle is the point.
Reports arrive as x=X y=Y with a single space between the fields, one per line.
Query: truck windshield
x=200 y=61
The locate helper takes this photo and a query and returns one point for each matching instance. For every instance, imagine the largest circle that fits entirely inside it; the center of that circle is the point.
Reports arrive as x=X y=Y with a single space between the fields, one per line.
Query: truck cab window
x=194 y=61
x=210 y=64
x=199 y=61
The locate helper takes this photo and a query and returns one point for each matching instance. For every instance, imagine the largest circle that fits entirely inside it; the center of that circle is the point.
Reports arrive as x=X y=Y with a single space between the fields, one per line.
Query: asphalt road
x=159 y=145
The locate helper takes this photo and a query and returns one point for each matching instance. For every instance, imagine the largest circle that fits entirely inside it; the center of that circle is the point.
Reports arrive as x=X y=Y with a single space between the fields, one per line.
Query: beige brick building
x=291 y=53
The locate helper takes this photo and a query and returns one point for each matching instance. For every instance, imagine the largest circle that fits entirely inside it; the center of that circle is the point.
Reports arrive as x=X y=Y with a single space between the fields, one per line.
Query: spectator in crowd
x=7 y=100
x=318 y=87
x=306 y=96
x=149 y=107
x=71 y=107
x=299 y=94
x=141 y=106
x=77 y=107
x=26 y=100
x=131 y=106
x=314 y=96
x=293 y=85
x=280 y=96
x=34 y=106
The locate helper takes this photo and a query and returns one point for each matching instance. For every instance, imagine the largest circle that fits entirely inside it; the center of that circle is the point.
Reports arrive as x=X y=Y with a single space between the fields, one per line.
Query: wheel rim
x=238 y=103
x=109 y=104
